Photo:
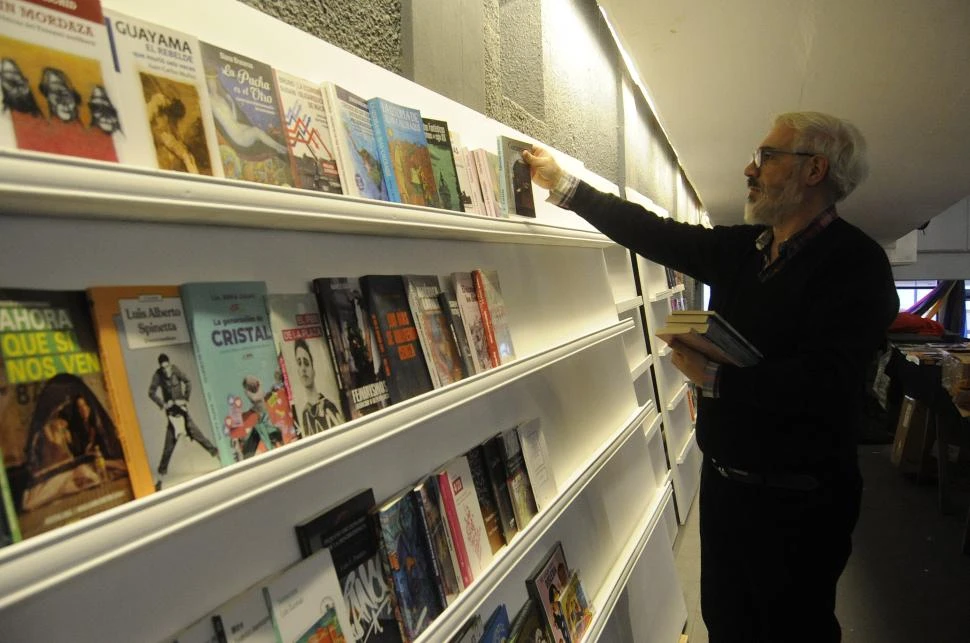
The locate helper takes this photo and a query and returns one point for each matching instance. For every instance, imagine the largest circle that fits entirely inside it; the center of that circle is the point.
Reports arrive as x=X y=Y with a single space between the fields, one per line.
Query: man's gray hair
x=838 y=140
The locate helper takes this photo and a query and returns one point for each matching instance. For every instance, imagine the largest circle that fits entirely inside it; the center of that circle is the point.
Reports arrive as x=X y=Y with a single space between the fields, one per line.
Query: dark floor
x=907 y=580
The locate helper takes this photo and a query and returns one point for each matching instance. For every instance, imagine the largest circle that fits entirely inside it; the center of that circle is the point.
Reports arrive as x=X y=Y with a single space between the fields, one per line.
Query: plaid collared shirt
x=788 y=249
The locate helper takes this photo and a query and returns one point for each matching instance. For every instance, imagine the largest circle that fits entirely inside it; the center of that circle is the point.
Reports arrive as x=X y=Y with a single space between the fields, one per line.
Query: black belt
x=793 y=481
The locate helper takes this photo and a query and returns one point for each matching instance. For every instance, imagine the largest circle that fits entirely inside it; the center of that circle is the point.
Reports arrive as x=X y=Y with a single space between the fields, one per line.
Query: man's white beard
x=772 y=209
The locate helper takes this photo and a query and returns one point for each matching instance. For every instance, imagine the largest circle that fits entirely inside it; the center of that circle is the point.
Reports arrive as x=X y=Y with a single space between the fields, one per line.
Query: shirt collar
x=788 y=248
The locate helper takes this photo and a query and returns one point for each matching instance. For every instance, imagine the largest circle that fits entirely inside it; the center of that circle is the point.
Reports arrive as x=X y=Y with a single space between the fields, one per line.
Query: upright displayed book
x=487 y=172
x=444 y=558
x=498 y=479
x=244 y=392
x=486 y=497
x=463 y=287
x=245 y=618
x=575 y=608
x=520 y=487
x=452 y=314
x=495 y=322
x=353 y=345
x=528 y=625
x=471 y=631
x=497 y=626
x=438 y=340
x=403 y=151
x=62 y=50
x=306 y=603
x=353 y=135
x=545 y=586
x=443 y=164
x=305 y=362
x=711 y=335
x=159 y=85
x=471 y=193
x=63 y=452
x=153 y=382
x=406 y=564
x=308 y=134
x=345 y=529
x=464 y=516
x=515 y=179
x=397 y=338
x=246 y=110
x=538 y=465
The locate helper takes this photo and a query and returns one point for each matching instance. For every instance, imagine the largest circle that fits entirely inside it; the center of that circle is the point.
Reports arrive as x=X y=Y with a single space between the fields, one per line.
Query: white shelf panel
x=687 y=476
x=650 y=431
x=628 y=304
x=678 y=397
x=38 y=184
x=508 y=558
x=666 y=294
x=41 y=563
x=641 y=367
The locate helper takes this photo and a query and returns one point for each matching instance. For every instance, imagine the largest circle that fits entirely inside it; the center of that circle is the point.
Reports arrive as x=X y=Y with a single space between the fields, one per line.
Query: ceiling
x=717 y=72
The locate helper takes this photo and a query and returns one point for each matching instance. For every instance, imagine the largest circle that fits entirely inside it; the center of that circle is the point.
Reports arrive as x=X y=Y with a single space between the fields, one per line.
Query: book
x=437 y=336
x=464 y=517
x=397 y=338
x=471 y=631
x=308 y=134
x=305 y=602
x=498 y=335
x=345 y=530
x=153 y=383
x=353 y=345
x=711 y=335
x=487 y=175
x=486 y=497
x=444 y=559
x=443 y=164
x=575 y=608
x=515 y=179
x=498 y=479
x=471 y=193
x=406 y=564
x=535 y=453
x=528 y=625
x=403 y=152
x=471 y=317
x=246 y=109
x=63 y=452
x=62 y=50
x=241 y=379
x=201 y=631
x=449 y=308
x=159 y=85
x=9 y=526
x=497 y=626
x=244 y=618
x=305 y=362
x=545 y=585
x=353 y=135
x=520 y=487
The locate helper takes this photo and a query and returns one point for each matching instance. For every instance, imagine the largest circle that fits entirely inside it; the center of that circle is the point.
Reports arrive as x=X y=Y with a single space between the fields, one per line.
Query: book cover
x=62 y=449
x=241 y=379
x=159 y=85
x=488 y=290
x=529 y=626
x=444 y=559
x=437 y=337
x=545 y=585
x=443 y=164
x=407 y=565
x=449 y=308
x=471 y=631
x=487 y=175
x=575 y=608
x=497 y=626
x=515 y=180
x=306 y=604
x=304 y=358
x=62 y=50
x=246 y=110
x=313 y=158
x=245 y=618
x=353 y=135
x=471 y=193
x=471 y=317
x=397 y=338
x=9 y=527
x=153 y=383
x=403 y=151
x=346 y=531
x=486 y=497
x=353 y=345
x=498 y=479
x=520 y=487
x=464 y=516
x=535 y=453
x=718 y=330
x=202 y=631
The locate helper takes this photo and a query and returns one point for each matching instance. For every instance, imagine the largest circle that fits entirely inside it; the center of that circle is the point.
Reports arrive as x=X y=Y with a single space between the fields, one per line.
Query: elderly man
x=780 y=486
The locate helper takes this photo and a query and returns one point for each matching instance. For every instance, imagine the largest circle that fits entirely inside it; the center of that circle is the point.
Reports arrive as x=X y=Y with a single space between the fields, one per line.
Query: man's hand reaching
x=543 y=167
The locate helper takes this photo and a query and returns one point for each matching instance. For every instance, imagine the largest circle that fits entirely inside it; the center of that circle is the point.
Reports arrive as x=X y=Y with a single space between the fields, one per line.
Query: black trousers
x=771 y=558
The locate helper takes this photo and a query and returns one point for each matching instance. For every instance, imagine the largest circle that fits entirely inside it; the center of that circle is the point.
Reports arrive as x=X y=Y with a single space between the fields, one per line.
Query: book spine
x=454 y=527
x=498 y=478
x=327 y=313
x=489 y=329
x=461 y=342
x=480 y=159
x=503 y=179
x=383 y=149
x=384 y=554
x=420 y=499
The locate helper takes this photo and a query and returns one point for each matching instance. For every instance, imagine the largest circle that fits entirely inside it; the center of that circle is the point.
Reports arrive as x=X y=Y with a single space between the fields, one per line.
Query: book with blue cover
x=241 y=379
x=497 y=626
x=403 y=151
x=353 y=134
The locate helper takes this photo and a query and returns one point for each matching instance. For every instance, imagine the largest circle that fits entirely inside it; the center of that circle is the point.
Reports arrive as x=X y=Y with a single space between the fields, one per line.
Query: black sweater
x=818 y=323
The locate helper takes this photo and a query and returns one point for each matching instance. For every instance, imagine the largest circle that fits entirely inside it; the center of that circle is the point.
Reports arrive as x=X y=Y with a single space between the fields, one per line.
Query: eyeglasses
x=762 y=154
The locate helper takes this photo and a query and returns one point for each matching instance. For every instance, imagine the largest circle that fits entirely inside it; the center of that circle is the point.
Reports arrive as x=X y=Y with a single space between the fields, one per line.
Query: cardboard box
x=909 y=447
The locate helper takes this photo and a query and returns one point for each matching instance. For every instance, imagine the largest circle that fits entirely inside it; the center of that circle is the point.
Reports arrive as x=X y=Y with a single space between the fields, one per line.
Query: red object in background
x=912 y=323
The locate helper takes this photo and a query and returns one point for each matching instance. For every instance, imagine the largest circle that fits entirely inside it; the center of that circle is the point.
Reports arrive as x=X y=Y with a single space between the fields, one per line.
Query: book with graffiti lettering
x=308 y=134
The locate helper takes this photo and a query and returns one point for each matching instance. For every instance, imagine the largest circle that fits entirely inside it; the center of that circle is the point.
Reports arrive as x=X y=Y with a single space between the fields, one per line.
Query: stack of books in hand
x=709 y=334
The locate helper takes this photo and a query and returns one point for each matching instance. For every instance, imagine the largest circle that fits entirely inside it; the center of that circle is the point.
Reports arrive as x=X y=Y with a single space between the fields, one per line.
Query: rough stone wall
x=370 y=29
